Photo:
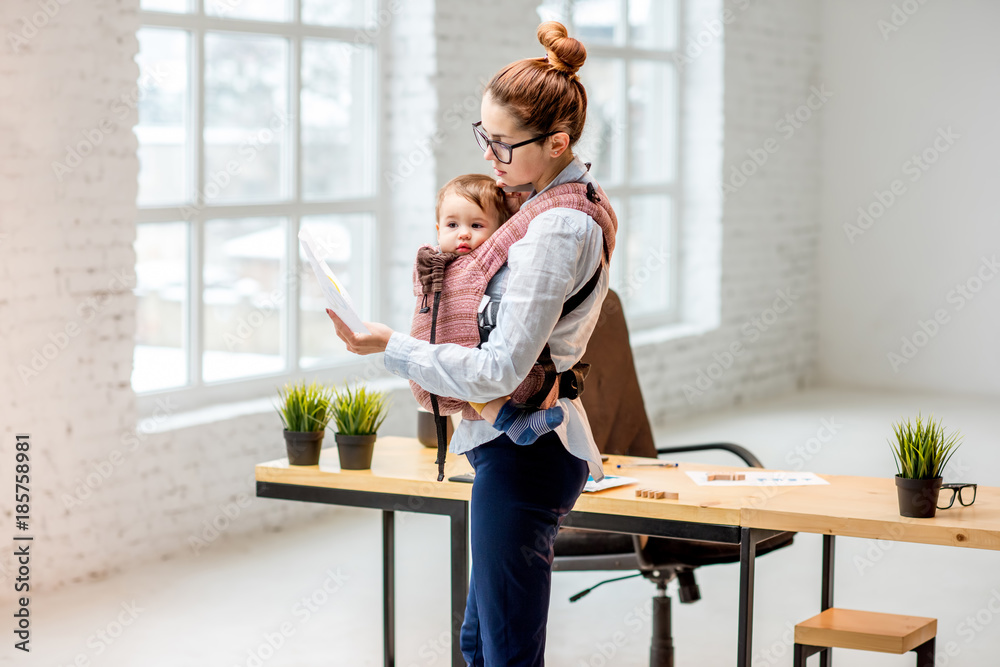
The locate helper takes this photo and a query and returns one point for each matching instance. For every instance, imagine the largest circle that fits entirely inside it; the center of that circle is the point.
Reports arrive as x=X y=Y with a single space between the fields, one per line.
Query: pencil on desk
x=647 y=465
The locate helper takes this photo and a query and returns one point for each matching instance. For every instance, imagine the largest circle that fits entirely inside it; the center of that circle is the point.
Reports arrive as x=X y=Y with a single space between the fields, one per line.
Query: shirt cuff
x=397 y=352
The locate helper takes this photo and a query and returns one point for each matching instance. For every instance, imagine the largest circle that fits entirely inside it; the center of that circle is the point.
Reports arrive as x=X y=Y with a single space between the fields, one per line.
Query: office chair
x=617 y=416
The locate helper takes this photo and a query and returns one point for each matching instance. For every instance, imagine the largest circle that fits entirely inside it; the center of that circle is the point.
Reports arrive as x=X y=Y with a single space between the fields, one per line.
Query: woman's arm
x=544 y=268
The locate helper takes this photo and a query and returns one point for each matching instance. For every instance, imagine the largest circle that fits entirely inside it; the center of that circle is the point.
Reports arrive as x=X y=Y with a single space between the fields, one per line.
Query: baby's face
x=463 y=226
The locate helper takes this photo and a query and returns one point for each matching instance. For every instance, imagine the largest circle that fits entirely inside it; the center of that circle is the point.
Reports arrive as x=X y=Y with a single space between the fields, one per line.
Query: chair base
x=661 y=652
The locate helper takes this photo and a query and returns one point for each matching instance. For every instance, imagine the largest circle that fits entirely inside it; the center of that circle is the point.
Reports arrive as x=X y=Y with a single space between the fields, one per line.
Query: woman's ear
x=558 y=144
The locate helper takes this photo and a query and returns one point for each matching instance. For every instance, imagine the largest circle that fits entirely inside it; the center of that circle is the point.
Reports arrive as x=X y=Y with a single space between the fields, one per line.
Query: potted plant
x=921 y=452
x=358 y=413
x=305 y=412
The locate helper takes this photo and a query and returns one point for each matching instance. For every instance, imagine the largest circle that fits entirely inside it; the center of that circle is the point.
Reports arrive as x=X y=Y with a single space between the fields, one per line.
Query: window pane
x=597 y=21
x=345 y=240
x=179 y=6
x=244 y=297
x=161 y=293
x=602 y=142
x=163 y=116
x=337 y=155
x=652 y=111
x=342 y=12
x=653 y=25
x=246 y=118
x=257 y=10
x=648 y=241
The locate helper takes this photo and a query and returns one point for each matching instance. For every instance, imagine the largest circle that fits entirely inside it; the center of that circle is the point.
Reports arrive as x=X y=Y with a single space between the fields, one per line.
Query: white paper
x=609 y=482
x=336 y=296
x=768 y=478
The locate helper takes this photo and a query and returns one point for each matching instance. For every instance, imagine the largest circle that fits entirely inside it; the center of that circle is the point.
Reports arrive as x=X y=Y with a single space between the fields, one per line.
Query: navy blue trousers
x=520 y=496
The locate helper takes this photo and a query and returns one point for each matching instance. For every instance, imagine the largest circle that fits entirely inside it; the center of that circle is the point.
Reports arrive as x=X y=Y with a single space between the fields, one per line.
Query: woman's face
x=533 y=163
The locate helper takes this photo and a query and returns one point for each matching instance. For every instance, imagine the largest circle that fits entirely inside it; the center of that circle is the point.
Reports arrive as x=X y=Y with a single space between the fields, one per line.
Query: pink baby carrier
x=458 y=282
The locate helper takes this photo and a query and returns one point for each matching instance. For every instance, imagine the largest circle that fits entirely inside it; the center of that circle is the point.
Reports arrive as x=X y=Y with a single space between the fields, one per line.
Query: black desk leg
x=748 y=553
x=389 y=587
x=459 y=578
x=826 y=593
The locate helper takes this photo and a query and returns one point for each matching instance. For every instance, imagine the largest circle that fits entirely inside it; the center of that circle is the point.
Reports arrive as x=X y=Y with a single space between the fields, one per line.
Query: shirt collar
x=575 y=172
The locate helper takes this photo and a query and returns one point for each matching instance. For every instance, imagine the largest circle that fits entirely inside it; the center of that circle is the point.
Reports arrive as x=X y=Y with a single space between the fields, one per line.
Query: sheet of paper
x=336 y=296
x=770 y=478
x=609 y=482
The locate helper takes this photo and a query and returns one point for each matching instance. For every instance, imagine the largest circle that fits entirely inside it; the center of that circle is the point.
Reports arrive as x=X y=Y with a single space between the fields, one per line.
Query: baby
x=469 y=209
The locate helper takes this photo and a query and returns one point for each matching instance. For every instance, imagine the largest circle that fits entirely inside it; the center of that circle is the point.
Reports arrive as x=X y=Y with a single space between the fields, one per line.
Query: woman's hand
x=359 y=343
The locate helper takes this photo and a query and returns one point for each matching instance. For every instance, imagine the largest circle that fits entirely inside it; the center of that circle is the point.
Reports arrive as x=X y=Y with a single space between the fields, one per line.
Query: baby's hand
x=514 y=197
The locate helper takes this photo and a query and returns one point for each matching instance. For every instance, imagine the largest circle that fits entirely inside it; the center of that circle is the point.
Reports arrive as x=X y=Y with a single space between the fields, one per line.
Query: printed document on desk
x=609 y=482
x=338 y=298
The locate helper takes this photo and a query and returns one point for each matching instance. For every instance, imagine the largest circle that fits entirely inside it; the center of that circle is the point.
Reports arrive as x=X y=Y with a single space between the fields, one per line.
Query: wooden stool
x=865 y=631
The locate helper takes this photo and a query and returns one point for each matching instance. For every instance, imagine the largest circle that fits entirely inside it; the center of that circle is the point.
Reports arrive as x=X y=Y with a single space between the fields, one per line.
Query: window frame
x=623 y=55
x=292 y=207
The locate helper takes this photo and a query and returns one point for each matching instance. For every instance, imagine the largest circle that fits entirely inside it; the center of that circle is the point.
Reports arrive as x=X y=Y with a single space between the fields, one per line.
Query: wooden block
x=866 y=631
x=656 y=494
x=726 y=477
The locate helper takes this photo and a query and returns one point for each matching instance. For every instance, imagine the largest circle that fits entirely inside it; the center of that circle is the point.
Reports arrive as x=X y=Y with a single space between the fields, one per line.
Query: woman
x=533 y=111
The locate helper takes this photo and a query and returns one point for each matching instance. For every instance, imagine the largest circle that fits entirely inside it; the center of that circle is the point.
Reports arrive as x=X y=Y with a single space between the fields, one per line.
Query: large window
x=631 y=138
x=256 y=118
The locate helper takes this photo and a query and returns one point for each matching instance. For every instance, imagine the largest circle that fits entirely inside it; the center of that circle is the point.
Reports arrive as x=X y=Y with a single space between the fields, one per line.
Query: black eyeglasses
x=965 y=492
x=501 y=151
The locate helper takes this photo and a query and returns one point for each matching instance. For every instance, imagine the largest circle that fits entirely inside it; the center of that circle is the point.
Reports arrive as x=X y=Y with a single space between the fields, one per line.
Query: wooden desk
x=866 y=507
x=403 y=478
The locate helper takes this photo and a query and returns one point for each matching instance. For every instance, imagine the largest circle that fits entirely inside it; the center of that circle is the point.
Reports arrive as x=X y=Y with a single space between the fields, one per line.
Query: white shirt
x=559 y=253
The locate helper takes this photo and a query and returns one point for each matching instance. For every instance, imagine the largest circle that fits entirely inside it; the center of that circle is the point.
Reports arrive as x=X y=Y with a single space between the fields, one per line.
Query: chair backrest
x=611 y=395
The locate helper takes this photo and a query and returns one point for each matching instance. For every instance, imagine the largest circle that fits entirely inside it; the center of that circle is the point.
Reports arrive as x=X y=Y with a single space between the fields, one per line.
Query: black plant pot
x=427 y=429
x=918 y=498
x=355 y=451
x=303 y=447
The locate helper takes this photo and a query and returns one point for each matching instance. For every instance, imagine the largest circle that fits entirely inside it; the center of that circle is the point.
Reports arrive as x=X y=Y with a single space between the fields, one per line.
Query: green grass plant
x=922 y=449
x=305 y=408
x=358 y=410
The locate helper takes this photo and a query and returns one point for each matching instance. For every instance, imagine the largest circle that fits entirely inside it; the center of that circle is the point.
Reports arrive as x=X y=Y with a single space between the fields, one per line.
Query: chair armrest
x=742 y=452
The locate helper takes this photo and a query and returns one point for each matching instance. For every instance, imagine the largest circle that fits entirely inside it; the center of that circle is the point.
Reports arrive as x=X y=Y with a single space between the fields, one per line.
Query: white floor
x=311 y=596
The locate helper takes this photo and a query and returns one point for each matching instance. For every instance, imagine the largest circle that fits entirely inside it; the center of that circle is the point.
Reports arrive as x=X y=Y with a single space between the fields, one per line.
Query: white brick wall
x=62 y=243
x=64 y=235
x=768 y=225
